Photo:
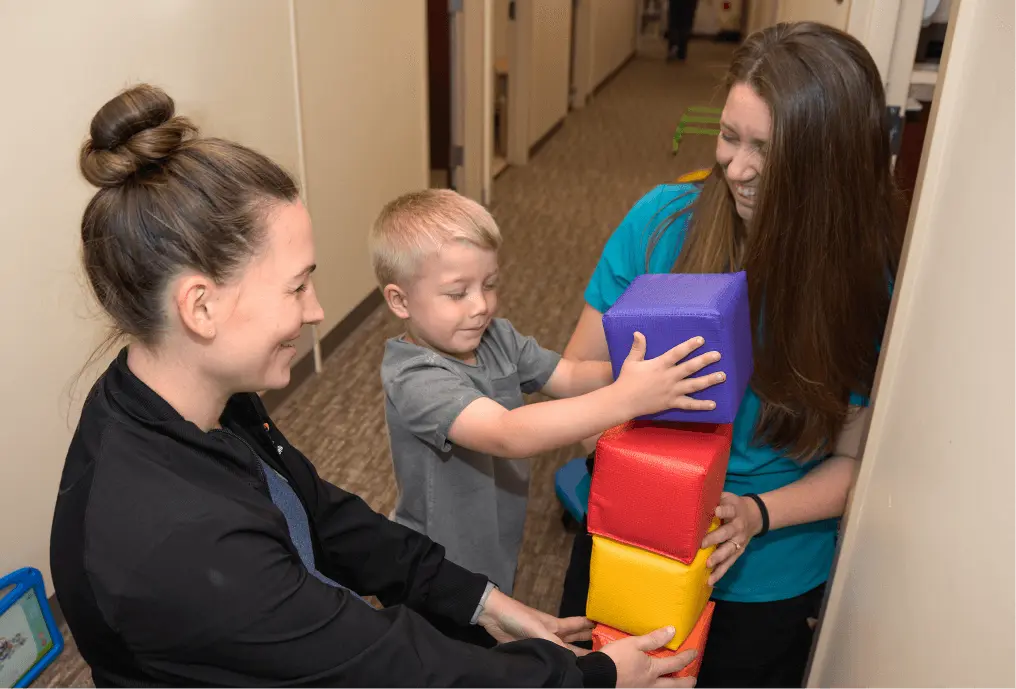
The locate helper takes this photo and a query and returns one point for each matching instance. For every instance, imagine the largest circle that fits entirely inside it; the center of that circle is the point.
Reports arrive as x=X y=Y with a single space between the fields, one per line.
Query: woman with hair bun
x=192 y=545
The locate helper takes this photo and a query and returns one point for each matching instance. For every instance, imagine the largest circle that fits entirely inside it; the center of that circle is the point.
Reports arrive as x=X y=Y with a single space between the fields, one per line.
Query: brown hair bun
x=134 y=132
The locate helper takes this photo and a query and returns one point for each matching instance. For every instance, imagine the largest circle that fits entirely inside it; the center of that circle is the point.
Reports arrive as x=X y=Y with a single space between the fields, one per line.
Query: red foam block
x=656 y=485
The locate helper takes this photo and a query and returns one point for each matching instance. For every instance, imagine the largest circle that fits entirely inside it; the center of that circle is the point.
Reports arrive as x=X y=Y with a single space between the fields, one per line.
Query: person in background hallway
x=192 y=545
x=801 y=197
x=680 y=19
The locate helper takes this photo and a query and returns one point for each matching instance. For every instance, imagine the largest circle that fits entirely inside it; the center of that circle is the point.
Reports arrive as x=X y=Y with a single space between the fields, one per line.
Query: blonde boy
x=459 y=430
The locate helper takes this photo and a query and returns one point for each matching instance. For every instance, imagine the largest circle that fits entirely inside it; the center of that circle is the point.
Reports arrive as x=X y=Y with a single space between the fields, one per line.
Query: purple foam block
x=671 y=308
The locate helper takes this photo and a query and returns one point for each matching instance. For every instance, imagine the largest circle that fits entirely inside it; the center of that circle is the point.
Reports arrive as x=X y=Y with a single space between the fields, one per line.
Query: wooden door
x=439 y=83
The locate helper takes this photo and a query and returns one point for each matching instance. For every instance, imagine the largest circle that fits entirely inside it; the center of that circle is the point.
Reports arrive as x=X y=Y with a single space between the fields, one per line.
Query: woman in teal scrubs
x=802 y=198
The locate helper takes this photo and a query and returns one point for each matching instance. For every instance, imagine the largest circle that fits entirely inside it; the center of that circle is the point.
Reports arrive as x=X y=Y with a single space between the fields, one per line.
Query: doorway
x=439 y=91
x=460 y=89
x=504 y=35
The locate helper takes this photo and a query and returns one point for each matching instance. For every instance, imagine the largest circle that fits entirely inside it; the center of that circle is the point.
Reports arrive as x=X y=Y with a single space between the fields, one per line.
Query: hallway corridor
x=555 y=213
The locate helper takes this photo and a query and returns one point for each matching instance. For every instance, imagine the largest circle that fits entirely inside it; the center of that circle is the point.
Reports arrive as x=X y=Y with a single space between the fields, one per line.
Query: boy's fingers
x=675 y=354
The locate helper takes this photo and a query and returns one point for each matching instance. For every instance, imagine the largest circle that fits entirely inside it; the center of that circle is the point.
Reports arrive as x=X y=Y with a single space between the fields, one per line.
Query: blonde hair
x=419 y=223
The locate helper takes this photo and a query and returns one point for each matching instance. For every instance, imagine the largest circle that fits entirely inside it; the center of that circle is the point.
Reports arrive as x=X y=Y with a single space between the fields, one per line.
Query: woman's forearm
x=819 y=494
x=823 y=492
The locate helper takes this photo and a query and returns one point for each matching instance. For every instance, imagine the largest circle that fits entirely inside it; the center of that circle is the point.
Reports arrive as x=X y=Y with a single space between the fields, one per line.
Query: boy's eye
x=490 y=286
x=301 y=288
x=729 y=138
x=457 y=295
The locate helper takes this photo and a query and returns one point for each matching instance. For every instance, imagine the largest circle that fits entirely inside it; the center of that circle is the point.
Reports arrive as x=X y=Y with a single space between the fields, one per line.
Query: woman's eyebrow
x=307 y=271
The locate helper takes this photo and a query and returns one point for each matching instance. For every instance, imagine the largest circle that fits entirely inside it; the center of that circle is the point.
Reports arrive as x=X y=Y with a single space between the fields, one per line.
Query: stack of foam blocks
x=657 y=480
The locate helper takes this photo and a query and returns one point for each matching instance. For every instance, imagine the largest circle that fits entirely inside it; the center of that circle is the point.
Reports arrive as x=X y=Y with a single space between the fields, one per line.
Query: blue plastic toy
x=29 y=637
x=571 y=483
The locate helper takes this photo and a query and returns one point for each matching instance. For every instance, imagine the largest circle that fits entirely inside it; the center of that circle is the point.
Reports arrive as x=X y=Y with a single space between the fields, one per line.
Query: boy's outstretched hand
x=658 y=384
x=643 y=387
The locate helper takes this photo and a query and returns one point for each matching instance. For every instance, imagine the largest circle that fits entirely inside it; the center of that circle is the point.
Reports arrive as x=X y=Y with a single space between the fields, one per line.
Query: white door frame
x=873 y=23
x=487 y=159
x=520 y=63
x=890 y=30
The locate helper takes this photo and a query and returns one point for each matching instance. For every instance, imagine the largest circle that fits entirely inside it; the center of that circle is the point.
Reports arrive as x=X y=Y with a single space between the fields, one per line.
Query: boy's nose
x=481 y=304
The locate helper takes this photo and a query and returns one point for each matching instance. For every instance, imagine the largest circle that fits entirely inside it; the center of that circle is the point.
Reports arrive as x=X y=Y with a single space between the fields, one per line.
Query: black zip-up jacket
x=173 y=566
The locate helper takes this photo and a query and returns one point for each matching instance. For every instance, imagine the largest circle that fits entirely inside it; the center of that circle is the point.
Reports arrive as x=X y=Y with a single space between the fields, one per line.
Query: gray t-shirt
x=472 y=503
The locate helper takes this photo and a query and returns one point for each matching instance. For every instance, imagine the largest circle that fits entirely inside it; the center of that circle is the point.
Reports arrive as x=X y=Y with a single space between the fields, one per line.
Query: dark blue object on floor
x=571 y=483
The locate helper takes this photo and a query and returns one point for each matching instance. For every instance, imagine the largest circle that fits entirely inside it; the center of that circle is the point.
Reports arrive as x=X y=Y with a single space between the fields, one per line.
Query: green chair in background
x=698 y=119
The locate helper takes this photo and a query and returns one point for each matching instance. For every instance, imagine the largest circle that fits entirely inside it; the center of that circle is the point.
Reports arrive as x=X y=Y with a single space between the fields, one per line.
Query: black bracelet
x=763 y=510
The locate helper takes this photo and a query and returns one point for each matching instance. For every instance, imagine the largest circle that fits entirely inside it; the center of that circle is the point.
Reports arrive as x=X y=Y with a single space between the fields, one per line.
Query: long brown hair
x=826 y=235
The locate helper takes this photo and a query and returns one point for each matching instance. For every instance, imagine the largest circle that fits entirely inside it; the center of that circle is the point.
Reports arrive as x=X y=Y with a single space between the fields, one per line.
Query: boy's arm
x=438 y=406
x=643 y=387
x=574 y=378
x=485 y=426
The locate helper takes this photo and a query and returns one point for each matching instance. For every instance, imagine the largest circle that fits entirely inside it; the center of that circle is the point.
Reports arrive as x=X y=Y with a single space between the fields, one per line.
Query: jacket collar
x=129 y=395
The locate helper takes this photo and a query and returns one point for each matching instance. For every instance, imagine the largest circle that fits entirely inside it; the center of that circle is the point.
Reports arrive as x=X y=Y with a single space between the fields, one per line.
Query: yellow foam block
x=637 y=591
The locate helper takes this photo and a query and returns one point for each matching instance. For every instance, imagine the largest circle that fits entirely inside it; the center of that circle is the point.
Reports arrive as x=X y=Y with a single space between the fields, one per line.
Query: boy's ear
x=397 y=300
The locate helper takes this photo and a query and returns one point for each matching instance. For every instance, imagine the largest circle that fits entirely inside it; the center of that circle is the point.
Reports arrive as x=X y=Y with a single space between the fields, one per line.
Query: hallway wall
x=233 y=66
x=502 y=29
x=922 y=594
x=613 y=36
x=364 y=105
x=551 y=57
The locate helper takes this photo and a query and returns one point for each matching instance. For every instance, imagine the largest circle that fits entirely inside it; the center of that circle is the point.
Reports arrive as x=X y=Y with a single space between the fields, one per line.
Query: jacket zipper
x=257 y=458
x=315 y=544
x=264 y=479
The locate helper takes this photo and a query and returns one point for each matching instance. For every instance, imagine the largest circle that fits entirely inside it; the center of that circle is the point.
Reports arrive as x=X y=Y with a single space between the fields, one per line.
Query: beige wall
x=502 y=29
x=604 y=38
x=613 y=36
x=551 y=54
x=476 y=77
x=874 y=23
x=761 y=13
x=832 y=12
x=923 y=590
x=713 y=16
x=230 y=65
x=363 y=81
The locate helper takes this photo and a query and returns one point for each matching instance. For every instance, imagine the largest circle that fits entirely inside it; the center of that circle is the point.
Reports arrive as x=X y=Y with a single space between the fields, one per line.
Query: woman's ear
x=397 y=300
x=194 y=303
